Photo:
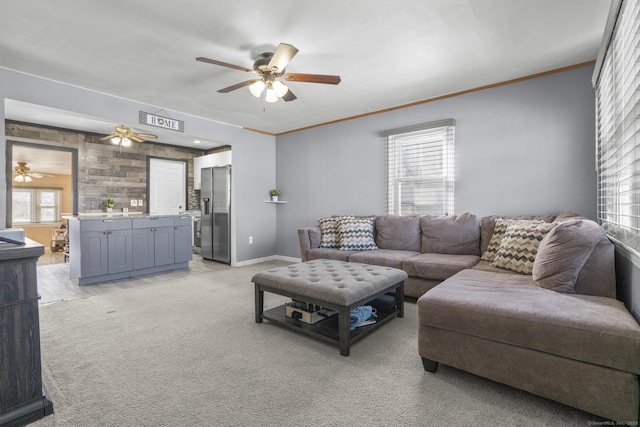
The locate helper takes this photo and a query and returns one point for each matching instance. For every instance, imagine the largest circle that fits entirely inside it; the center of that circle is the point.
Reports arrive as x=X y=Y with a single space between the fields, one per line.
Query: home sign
x=161 y=122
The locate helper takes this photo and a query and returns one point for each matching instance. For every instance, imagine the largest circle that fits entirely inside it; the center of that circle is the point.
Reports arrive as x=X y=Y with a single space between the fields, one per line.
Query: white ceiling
x=387 y=53
x=54 y=162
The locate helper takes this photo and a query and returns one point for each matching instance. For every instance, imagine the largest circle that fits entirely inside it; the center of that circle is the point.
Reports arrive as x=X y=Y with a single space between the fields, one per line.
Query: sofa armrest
x=309 y=238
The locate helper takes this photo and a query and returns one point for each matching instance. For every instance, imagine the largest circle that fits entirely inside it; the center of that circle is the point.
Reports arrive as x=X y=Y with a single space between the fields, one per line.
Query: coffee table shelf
x=327 y=329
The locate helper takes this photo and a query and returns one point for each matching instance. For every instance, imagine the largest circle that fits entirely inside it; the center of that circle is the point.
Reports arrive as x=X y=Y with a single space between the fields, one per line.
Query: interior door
x=167 y=186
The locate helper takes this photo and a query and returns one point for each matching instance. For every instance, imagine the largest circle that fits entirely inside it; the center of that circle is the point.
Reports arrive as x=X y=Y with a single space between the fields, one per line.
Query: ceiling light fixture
x=22 y=178
x=124 y=141
x=272 y=89
x=23 y=173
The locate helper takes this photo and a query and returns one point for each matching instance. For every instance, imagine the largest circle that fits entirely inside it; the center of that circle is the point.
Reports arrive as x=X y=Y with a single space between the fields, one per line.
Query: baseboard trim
x=265 y=259
x=27 y=413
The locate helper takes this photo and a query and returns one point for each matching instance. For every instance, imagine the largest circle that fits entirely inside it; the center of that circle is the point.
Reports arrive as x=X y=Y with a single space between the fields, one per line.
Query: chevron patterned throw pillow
x=519 y=246
x=498 y=233
x=357 y=234
x=330 y=232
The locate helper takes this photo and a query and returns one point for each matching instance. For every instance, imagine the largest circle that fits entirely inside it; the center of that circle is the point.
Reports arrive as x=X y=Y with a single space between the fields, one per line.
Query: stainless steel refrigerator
x=215 y=205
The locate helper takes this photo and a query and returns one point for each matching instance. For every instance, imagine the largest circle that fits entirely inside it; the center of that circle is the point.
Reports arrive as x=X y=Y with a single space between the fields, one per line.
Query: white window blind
x=617 y=125
x=420 y=163
x=35 y=205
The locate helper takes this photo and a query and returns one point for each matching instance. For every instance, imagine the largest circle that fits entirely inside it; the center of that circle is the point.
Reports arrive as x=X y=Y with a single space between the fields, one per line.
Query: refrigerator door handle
x=206 y=206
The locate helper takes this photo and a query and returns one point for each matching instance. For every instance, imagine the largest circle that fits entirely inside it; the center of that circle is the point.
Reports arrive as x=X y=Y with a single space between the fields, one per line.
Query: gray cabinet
x=183 y=235
x=153 y=242
x=102 y=247
x=105 y=249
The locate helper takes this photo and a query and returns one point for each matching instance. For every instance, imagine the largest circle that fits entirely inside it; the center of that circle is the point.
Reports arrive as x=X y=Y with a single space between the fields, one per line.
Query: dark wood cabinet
x=22 y=399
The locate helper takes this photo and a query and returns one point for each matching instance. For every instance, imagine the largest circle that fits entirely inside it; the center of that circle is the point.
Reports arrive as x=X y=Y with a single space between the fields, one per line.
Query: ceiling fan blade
x=144 y=135
x=36 y=175
x=135 y=138
x=223 y=64
x=289 y=96
x=281 y=57
x=312 y=78
x=237 y=86
x=104 y=138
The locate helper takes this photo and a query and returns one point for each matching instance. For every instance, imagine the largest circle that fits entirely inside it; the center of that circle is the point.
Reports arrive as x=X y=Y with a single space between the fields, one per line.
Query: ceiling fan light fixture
x=19 y=178
x=256 y=88
x=280 y=88
x=271 y=96
x=115 y=140
x=27 y=179
x=125 y=142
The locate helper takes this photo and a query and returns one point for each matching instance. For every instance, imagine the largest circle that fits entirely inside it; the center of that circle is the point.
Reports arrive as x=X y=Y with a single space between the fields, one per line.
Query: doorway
x=41 y=191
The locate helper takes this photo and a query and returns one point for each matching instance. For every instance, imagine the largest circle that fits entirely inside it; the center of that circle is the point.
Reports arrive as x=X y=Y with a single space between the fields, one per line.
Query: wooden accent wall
x=103 y=167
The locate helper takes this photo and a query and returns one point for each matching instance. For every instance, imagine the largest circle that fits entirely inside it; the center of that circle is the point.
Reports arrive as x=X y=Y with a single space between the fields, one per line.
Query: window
x=617 y=83
x=420 y=162
x=33 y=205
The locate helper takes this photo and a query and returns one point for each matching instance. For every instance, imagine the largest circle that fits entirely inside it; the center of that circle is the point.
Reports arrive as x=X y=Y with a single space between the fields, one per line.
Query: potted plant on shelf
x=274 y=194
x=109 y=202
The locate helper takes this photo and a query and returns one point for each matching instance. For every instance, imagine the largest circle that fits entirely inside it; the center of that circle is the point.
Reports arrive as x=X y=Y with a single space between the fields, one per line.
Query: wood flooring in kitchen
x=54 y=284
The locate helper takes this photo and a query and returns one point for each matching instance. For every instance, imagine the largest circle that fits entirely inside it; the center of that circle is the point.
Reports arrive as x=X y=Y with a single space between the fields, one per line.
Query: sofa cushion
x=438 y=266
x=357 y=233
x=512 y=309
x=398 y=232
x=329 y=253
x=455 y=234
x=330 y=231
x=384 y=257
x=519 y=246
x=563 y=252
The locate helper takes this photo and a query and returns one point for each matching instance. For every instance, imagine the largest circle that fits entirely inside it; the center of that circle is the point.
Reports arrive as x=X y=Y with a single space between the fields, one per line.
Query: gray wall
x=253 y=173
x=522 y=148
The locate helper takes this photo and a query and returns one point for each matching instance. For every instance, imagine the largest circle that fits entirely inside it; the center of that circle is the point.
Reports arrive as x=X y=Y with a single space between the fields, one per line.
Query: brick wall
x=106 y=168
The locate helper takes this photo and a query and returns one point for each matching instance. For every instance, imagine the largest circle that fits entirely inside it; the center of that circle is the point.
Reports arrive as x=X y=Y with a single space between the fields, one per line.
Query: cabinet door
x=120 y=251
x=183 y=249
x=164 y=245
x=94 y=255
x=143 y=248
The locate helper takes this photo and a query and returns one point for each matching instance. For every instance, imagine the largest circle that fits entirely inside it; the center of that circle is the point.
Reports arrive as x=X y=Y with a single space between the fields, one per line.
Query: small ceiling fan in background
x=123 y=136
x=23 y=173
x=270 y=67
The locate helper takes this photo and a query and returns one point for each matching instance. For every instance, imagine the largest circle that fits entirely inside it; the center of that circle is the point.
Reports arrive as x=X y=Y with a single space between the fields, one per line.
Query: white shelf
x=278 y=202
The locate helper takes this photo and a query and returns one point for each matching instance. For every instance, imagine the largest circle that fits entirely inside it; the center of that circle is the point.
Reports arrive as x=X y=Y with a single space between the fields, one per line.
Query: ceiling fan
x=23 y=173
x=270 y=67
x=122 y=135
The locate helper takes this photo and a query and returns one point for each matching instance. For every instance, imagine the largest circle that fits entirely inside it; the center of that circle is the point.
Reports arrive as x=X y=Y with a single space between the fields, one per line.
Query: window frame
x=35 y=206
x=617 y=84
x=433 y=146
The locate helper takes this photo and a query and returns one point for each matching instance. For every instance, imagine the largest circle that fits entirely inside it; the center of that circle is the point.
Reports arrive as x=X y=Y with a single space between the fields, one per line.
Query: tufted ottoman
x=336 y=285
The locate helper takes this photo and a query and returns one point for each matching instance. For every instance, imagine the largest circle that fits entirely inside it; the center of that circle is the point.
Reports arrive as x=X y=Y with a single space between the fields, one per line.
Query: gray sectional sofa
x=545 y=321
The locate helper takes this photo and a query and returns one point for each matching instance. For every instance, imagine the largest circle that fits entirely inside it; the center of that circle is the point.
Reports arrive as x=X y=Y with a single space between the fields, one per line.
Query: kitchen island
x=115 y=246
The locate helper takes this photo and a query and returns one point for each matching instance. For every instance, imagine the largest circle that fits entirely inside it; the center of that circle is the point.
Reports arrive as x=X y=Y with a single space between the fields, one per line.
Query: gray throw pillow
x=455 y=234
x=563 y=252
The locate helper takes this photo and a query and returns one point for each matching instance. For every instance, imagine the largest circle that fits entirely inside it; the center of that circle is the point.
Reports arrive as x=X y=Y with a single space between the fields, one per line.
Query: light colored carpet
x=187 y=352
